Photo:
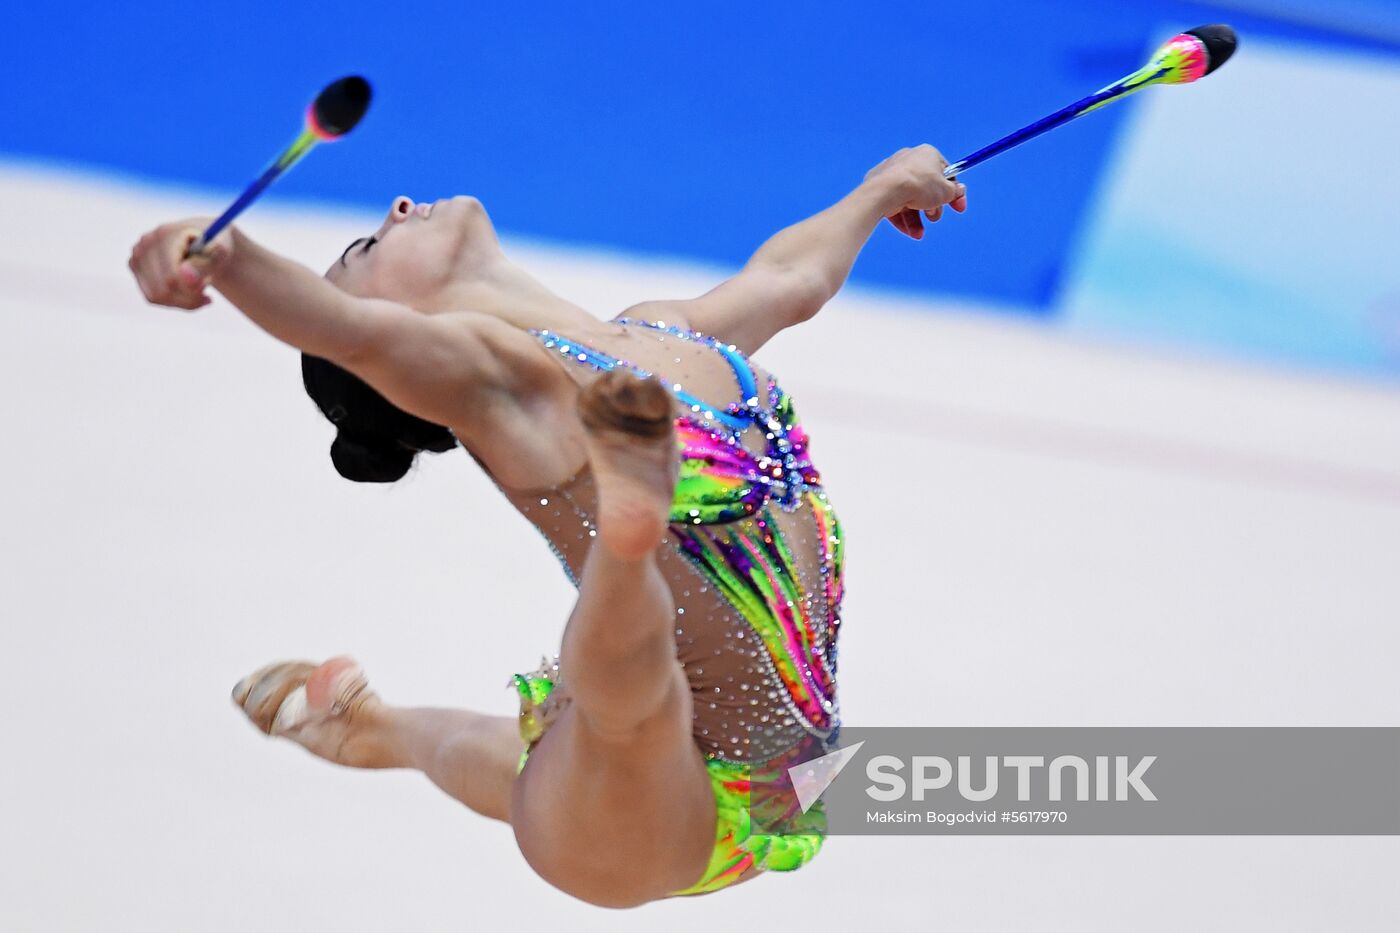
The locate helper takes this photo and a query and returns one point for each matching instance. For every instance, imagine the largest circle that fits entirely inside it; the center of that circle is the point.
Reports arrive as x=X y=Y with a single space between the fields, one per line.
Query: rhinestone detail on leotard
x=762 y=655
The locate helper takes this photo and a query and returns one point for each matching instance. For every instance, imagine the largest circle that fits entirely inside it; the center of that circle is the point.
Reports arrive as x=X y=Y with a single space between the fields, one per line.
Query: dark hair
x=375 y=441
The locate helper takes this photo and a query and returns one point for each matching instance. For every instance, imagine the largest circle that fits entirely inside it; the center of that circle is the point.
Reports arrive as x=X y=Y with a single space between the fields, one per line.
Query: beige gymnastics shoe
x=322 y=707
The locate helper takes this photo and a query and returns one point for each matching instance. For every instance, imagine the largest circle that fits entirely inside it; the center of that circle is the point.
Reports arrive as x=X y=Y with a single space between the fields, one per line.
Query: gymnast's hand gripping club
x=1182 y=60
x=333 y=113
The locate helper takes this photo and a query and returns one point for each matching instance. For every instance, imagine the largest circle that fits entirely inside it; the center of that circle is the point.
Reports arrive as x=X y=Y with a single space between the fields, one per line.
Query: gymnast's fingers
x=150 y=274
x=179 y=280
x=913 y=223
x=181 y=287
x=137 y=264
x=147 y=265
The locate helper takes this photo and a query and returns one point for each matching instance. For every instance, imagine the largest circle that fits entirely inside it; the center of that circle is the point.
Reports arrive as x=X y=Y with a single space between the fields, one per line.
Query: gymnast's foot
x=328 y=709
x=631 y=440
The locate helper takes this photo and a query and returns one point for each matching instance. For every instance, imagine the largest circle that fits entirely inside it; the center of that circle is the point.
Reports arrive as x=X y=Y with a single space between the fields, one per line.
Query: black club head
x=341 y=105
x=1220 y=42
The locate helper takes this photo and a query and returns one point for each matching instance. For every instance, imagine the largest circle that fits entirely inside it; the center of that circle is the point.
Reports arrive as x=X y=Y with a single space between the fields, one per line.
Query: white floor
x=1041 y=532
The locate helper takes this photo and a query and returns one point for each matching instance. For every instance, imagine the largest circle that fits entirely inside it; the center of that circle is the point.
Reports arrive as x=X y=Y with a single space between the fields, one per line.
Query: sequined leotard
x=756 y=573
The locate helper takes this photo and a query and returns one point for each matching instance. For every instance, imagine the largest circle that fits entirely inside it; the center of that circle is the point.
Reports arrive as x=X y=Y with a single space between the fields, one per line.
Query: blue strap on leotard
x=736 y=417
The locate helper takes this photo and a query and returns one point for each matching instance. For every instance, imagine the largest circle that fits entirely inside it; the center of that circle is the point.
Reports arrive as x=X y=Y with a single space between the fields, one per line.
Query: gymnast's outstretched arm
x=431 y=365
x=801 y=268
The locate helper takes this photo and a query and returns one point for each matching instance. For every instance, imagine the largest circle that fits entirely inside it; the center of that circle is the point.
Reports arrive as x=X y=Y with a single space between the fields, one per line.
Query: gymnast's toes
x=635 y=459
x=620 y=401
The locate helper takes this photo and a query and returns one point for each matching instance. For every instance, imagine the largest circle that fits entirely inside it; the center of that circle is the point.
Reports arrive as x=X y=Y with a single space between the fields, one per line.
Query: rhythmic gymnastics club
x=1181 y=60
x=333 y=113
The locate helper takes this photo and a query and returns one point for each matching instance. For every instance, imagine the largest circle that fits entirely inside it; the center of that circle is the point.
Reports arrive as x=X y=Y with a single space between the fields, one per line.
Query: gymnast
x=669 y=474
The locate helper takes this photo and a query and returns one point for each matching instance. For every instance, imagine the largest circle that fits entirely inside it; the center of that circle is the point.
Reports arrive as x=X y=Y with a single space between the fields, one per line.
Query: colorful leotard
x=757 y=572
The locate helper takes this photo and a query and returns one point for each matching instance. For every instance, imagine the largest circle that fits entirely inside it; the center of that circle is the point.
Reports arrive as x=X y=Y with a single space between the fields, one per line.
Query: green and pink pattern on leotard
x=724 y=519
x=750 y=563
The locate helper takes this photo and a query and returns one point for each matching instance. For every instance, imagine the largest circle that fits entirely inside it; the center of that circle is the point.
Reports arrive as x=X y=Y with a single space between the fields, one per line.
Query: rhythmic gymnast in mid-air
x=668 y=472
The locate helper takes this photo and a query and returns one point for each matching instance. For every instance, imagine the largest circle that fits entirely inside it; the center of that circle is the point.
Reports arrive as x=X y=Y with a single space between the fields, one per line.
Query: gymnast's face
x=419 y=252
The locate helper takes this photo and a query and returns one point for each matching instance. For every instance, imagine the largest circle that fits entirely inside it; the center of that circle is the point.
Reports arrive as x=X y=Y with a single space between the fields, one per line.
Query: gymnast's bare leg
x=614 y=805
x=330 y=710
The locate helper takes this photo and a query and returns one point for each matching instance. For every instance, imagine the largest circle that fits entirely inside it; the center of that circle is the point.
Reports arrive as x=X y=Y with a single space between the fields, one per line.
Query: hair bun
x=377 y=441
x=364 y=464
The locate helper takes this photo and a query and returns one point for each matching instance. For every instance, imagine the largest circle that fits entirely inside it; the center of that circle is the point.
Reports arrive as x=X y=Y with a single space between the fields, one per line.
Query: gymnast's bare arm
x=801 y=268
x=470 y=372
